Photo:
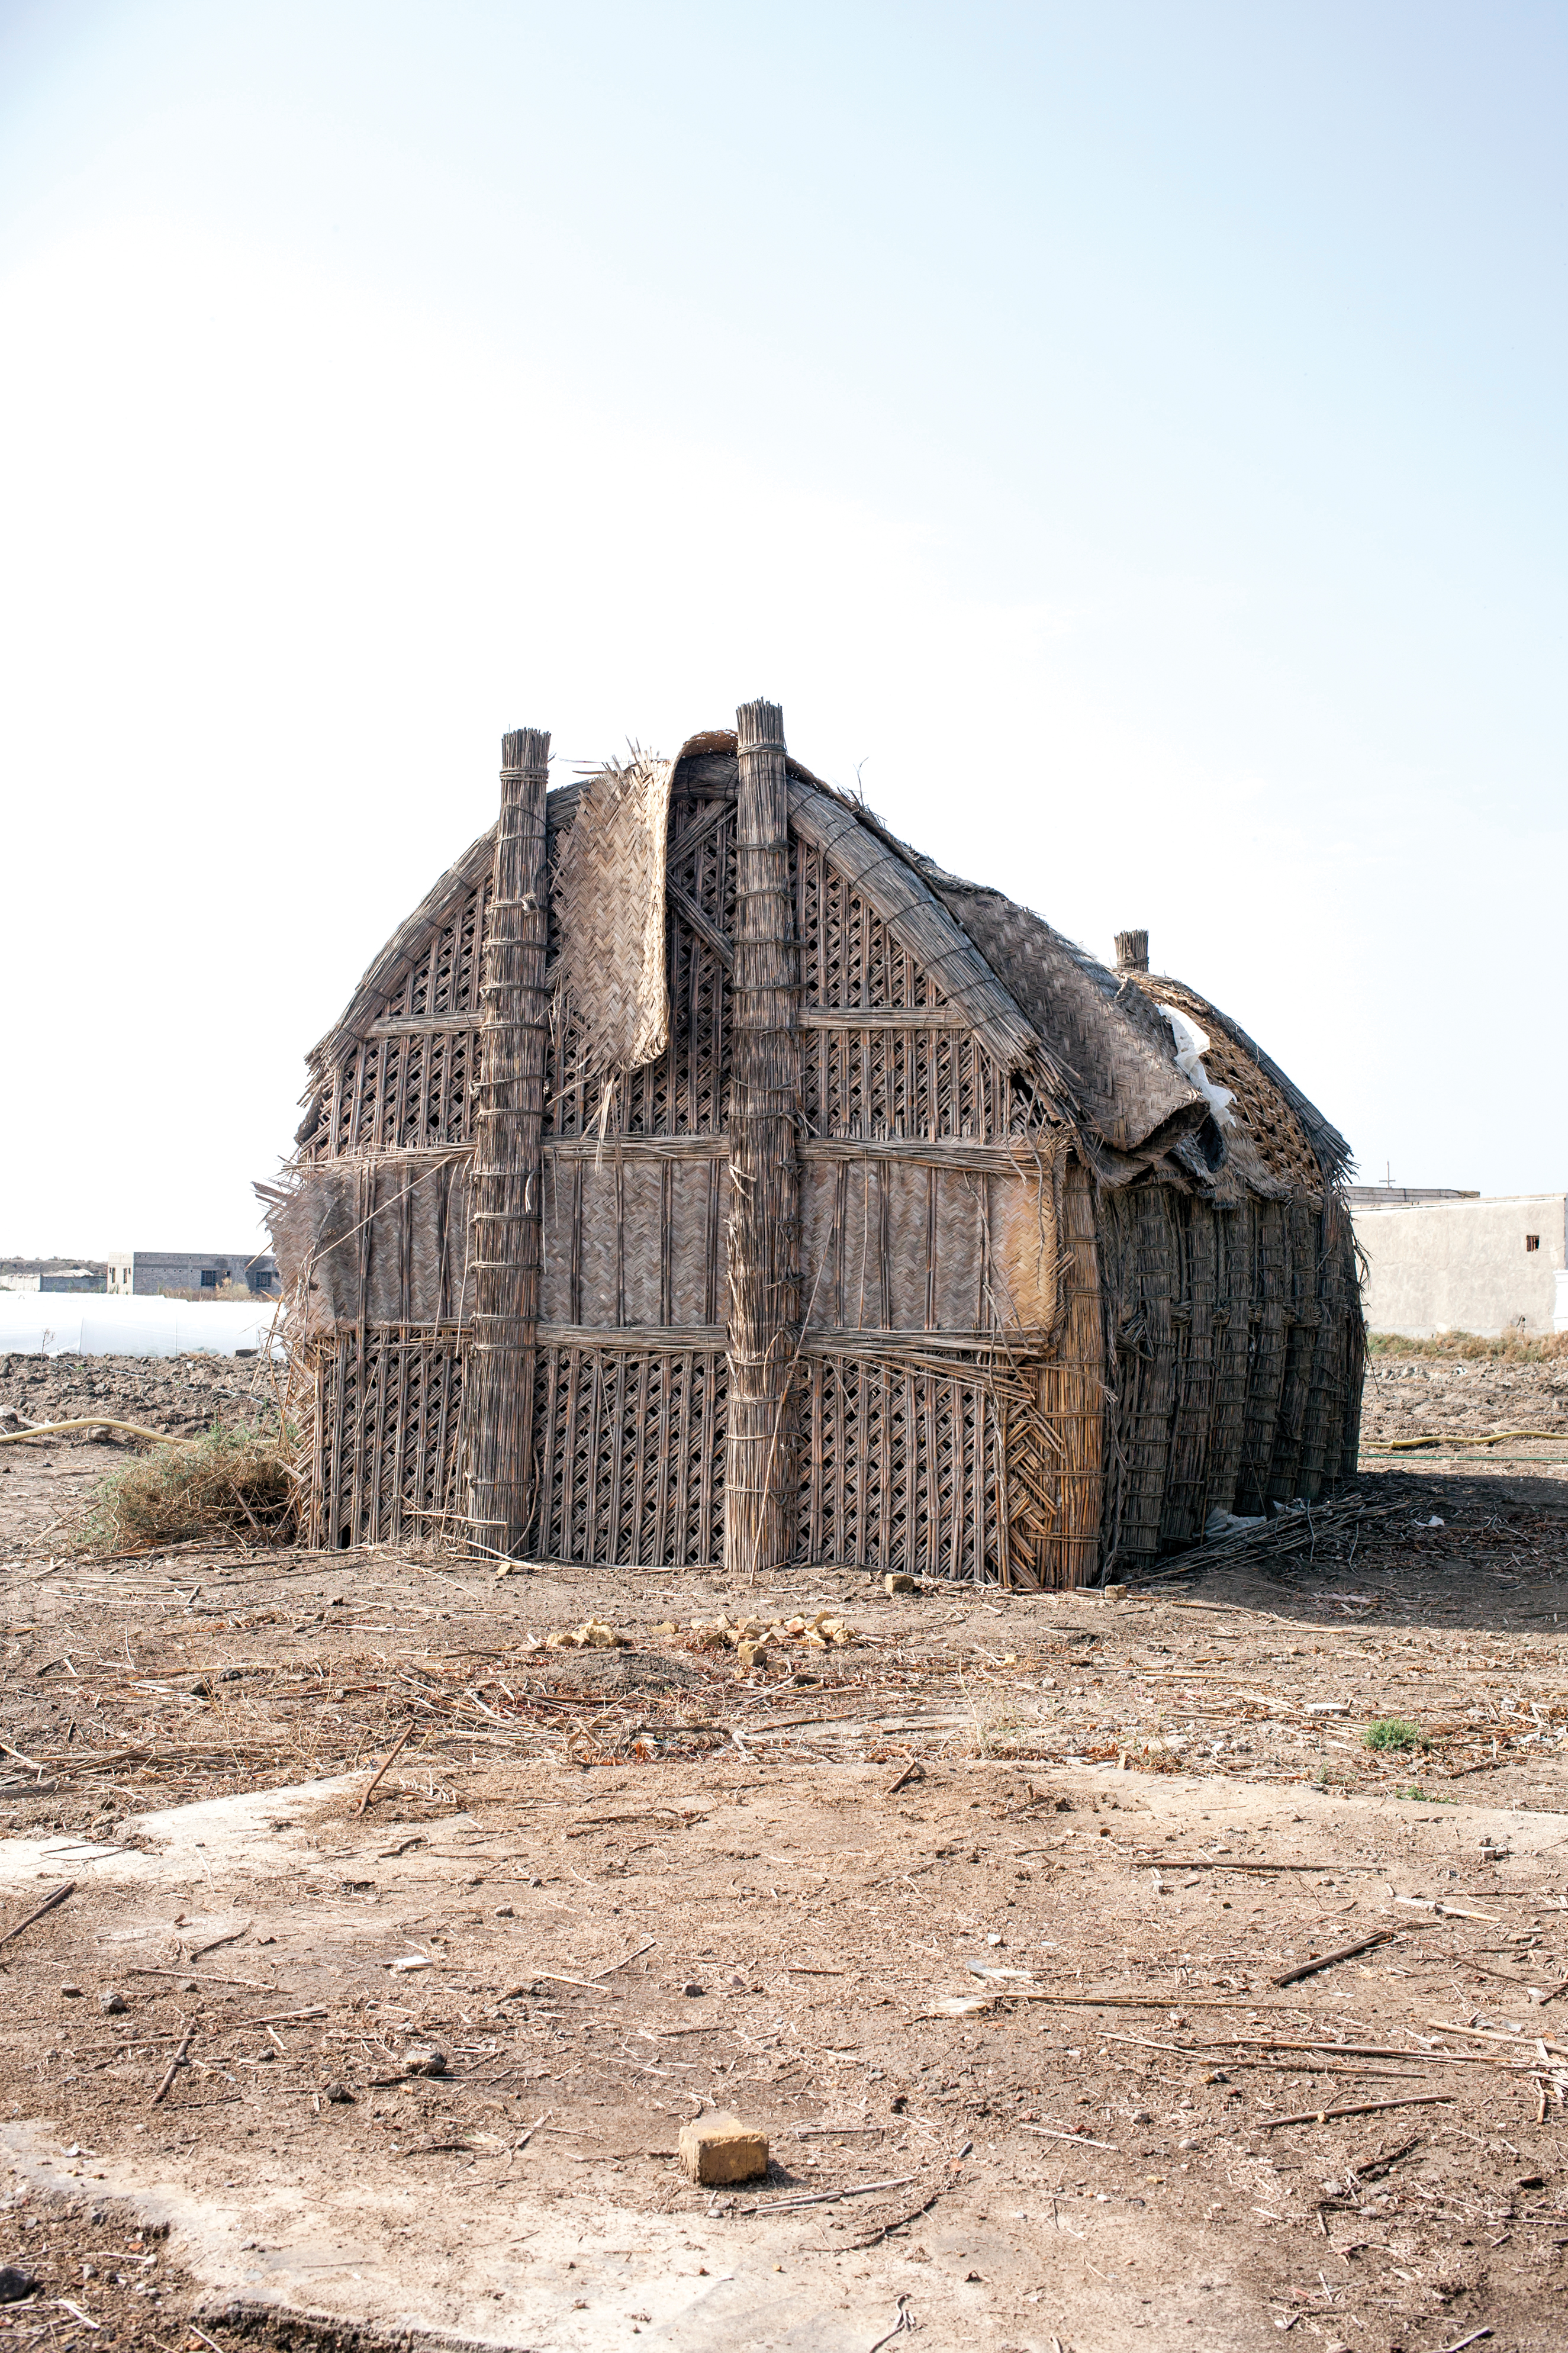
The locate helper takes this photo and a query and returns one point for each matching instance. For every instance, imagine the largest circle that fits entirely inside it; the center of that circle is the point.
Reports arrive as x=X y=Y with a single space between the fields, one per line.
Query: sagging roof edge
x=1330 y=1149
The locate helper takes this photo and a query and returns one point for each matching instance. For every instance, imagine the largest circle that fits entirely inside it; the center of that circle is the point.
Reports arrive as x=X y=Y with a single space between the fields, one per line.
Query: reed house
x=701 y=1175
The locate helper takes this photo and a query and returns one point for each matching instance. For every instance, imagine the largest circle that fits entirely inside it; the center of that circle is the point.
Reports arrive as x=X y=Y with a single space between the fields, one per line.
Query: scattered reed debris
x=232 y=1481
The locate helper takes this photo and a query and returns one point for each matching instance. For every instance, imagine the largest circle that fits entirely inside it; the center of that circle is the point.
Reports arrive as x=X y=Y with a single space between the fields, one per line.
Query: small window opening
x=209 y=1278
x=1533 y=1241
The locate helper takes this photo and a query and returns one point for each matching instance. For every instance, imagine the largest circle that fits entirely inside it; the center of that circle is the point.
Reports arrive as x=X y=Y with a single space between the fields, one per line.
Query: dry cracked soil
x=983 y=1915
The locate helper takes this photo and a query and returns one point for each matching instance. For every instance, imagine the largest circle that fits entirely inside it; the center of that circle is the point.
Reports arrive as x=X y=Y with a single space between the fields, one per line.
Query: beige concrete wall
x=1462 y=1266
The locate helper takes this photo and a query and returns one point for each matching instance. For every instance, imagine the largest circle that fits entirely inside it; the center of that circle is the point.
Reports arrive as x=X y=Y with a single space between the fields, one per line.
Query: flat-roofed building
x=1464 y=1263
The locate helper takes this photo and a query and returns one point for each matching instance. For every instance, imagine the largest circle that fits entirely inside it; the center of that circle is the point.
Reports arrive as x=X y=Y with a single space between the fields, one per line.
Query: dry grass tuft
x=1510 y=1350
x=230 y=1482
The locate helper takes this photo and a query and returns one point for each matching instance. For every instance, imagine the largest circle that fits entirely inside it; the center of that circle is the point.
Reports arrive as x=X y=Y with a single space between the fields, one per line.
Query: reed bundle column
x=764 y=1179
x=507 y=1191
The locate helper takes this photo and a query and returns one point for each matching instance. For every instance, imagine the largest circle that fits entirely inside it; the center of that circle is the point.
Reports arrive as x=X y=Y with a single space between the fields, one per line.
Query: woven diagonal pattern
x=609 y=911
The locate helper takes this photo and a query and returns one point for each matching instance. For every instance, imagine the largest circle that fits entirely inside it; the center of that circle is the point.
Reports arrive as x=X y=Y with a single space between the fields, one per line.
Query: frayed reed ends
x=230 y=1482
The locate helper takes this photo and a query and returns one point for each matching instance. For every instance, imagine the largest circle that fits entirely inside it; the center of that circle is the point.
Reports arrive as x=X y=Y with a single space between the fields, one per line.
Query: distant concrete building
x=1400 y=1197
x=1461 y=1263
x=51 y=1274
x=145 y=1273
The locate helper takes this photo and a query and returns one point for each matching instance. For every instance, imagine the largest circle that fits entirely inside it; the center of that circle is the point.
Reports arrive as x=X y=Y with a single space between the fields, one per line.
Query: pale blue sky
x=1134 y=433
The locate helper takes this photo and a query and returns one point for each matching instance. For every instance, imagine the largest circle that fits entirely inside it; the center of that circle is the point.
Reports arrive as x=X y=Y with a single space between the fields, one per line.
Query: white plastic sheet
x=1191 y=1045
x=91 y=1323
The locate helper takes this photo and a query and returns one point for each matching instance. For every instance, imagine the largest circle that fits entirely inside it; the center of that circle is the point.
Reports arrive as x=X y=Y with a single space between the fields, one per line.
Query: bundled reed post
x=764 y=1222
x=507 y=1193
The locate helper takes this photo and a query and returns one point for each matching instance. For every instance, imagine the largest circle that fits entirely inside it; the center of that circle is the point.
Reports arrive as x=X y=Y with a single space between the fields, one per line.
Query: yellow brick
x=721 y=2148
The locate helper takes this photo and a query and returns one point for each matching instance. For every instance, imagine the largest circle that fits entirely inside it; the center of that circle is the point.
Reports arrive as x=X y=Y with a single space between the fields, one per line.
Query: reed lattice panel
x=884 y=1082
x=629 y=1445
x=848 y=955
x=445 y=975
x=404 y=1093
x=901 y=1469
x=388 y=1417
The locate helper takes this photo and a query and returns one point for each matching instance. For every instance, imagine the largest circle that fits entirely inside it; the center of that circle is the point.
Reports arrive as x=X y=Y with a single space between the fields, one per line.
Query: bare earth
x=612 y=1888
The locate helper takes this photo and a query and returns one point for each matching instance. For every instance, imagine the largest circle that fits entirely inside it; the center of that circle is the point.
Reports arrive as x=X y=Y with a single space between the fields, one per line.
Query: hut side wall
x=1235 y=1339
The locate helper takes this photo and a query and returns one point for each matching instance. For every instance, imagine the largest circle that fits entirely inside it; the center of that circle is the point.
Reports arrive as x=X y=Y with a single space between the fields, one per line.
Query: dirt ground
x=610 y=1889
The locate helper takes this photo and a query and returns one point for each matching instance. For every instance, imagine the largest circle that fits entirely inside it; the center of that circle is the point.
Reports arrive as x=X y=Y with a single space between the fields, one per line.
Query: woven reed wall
x=1006 y=1376
x=1237 y=1348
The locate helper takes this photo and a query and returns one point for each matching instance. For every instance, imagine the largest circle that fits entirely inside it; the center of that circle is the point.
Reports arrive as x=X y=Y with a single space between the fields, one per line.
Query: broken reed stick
x=1079 y=2140
x=94 y=1421
x=1364 y=2108
x=1128 y=2000
x=1350 y=2050
x=825 y=2196
x=47 y=1905
x=625 y=1963
x=175 y=2064
x=391 y=1757
x=1344 y=1953
x=202 y=1977
x=1490 y=2034
x=1224 y=1862
x=913 y=1768
x=887 y=2229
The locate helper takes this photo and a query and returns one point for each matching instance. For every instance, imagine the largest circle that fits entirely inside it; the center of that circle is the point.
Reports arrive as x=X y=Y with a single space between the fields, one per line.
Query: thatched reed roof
x=1092 y=1039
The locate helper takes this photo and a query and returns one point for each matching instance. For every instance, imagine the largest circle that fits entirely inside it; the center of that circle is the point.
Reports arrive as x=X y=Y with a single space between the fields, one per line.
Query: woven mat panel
x=630 y=1450
x=685 y=1090
x=1023 y=1215
x=378 y=1239
x=631 y=1240
x=608 y=918
x=889 y=1245
x=385 y=1452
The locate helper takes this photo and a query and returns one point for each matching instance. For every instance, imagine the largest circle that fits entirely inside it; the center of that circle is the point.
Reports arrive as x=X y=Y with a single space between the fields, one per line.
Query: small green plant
x=1394 y=1731
x=1425 y=1796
